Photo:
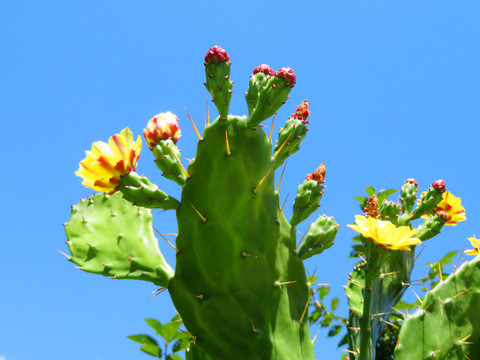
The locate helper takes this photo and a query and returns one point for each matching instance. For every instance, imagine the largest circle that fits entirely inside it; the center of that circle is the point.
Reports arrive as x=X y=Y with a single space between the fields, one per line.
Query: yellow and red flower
x=105 y=164
x=453 y=208
x=385 y=234
x=162 y=127
x=476 y=247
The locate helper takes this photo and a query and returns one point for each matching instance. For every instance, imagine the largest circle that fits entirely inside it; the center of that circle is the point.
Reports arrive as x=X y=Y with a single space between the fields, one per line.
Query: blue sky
x=393 y=88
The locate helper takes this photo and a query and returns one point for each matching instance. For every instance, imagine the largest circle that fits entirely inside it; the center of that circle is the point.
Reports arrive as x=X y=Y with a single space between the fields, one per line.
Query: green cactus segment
x=194 y=352
x=141 y=192
x=447 y=322
x=309 y=194
x=167 y=158
x=320 y=237
x=389 y=210
x=289 y=139
x=431 y=226
x=270 y=98
x=374 y=288
x=108 y=236
x=230 y=230
x=219 y=85
x=427 y=203
x=258 y=82
x=408 y=195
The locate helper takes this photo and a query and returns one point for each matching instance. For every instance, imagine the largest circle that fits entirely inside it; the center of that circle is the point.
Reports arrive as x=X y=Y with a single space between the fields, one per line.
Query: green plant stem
x=367 y=350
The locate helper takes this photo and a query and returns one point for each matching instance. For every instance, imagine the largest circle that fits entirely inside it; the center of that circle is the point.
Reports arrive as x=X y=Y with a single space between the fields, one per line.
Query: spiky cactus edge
x=239 y=282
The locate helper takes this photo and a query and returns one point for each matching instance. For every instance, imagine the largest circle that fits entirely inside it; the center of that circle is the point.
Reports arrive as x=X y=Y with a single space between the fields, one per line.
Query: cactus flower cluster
x=239 y=283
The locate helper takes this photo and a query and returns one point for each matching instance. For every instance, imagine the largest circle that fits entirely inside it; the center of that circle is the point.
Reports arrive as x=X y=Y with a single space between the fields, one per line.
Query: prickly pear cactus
x=239 y=283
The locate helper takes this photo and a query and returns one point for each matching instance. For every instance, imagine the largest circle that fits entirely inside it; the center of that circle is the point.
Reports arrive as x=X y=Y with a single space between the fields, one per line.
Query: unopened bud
x=264 y=68
x=411 y=181
x=302 y=112
x=288 y=75
x=440 y=186
x=319 y=174
x=161 y=127
x=216 y=55
x=371 y=209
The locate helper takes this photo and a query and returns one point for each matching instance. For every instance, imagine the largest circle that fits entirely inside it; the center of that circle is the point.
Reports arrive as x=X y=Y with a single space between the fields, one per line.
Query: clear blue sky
x=394 y=93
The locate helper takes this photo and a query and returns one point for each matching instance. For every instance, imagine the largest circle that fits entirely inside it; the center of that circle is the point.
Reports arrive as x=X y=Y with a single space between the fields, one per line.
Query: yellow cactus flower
x=385 y=234
x=476 y=247
x=453 y=207
x=105 y=164
x=162 y=127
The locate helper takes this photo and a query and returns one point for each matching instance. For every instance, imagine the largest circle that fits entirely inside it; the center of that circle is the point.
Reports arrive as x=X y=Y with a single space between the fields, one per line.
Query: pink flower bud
x=288 y=75
x=161 y=127
x=319 y=174
x=302 y=112
x=411 y=181
x=216 y=55
x=264 y=68
x=439 y=185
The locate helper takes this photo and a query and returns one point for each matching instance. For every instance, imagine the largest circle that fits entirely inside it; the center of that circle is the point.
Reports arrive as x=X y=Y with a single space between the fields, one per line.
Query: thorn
x=354 y=283
x=278 y=283
x=315 y=337
x=67 y=256
x=459 y=257
x=271 y=128
x=204 y=219
x=281 y=210
x=437 y=351
x=281 y=147
x=114 y=278
x=228 y=146
x=306 y=306
x=463 y=292
x=465 y=338
x=281 y=177
x=389 y=323
x=421 y=302
x=391 y=273
x=199 y=296
x=356 y=352
x=179 y=163
x=303 y=237
x=466 y=356
x=130 y=258
x=261 y=181
x=198 y=134
x=79 y=267
x=158 y=292
x=253 y=327
x=381 y=314
x=164 y=238
x=418 y=255
x=439 y=269
x=354 y=328
x=404 y=315
x=361 y=257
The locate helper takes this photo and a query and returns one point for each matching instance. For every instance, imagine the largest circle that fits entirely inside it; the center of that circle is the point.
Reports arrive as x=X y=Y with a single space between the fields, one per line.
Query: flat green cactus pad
x=107 y=235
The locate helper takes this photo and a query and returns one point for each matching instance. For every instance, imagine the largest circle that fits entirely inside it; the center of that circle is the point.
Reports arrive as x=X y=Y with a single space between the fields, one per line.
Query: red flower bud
x=288 y=75
x=263 y=68
x=439 y=185
x=302 y=112
x=216 y=55
x=411 y=181
x=319 y=174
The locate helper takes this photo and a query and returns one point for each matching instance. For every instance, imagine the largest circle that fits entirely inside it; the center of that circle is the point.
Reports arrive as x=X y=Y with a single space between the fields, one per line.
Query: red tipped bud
x=319 y=174
x=288 y=75
x=264 y=68
x=442 y=214
x=302 y=112
x=161 y=127
x=372 y=206
x=440 y=186
x=411 y=181
x=216 y=55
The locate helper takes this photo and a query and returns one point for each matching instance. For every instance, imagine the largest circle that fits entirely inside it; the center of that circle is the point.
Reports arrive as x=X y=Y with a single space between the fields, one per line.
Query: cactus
x=447 y=321
x=231 y=227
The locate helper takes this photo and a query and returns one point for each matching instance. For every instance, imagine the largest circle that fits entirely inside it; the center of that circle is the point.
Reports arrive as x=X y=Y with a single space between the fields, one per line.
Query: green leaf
x=170 y=331
x=155 y=325
x=384 y=194
x=334 y=331
x=174 y=357
x=362 y=199
x=323 y=291
x=370 y=190
x=182 y=343
x=335 y=303
x=150 y=345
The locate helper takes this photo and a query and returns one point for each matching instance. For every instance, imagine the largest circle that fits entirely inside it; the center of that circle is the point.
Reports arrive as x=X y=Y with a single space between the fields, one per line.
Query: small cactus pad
x=141 y=192
x=430 y=199
x=217 y=70
x=431 y=226
x=320 y=237
x=167 y=158
x=262 y=74
x=108 y=236
x=307 y=200
x=408 y=195
x=272 y=94
x=389 y=210
x=447 y=322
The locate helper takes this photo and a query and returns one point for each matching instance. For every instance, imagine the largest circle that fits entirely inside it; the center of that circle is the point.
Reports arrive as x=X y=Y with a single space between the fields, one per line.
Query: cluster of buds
x=319 y=174
x=371 y=209
x=216 y=55
x=288 y=75
x=264 y=68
